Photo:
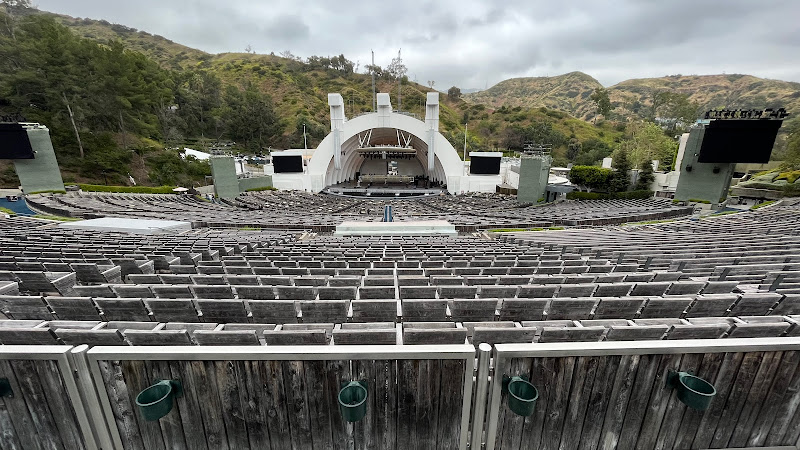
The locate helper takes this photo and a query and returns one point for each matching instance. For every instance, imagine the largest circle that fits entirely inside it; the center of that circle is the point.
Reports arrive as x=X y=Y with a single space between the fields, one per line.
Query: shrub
x=127 y=189
x=265 y=188
x=627 y=195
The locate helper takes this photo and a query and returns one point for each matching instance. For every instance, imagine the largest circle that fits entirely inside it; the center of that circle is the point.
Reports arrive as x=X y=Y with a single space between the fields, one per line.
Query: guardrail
x=721 y=393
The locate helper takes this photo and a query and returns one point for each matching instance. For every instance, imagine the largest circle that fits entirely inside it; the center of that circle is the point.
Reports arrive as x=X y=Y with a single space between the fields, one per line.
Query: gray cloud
x=473 y=43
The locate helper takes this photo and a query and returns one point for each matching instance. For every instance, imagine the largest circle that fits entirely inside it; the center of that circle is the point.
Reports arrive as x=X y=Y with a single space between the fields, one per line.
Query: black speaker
x=688 y=168
x=716 y=169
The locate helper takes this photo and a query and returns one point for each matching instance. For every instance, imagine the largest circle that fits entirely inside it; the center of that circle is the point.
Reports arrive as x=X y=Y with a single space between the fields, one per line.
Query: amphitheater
x=267 y=329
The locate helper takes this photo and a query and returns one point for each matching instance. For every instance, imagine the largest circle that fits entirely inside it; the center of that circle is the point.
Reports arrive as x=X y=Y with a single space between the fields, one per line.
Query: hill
x=633 y=99
x=569 y=93
x=135 y=95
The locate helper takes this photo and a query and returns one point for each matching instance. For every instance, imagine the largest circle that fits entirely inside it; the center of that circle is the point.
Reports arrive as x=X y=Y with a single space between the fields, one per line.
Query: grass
x=515 y=230
x=52 y=191
x=127 y=189
x=649 y=222
x=265 y=188
x=58 y=218
x=761 y=205
x=7 y=211
x=694 y=200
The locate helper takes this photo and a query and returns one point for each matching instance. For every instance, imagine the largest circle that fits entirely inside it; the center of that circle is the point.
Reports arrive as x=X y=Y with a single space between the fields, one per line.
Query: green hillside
x=135 y=95
x=569 y=93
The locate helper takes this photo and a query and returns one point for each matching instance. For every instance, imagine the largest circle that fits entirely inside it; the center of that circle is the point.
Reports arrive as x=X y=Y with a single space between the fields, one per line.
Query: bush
x=265 y=188
x=695 y=200
x=127 y=189
x=592 y=177
x=627 y=195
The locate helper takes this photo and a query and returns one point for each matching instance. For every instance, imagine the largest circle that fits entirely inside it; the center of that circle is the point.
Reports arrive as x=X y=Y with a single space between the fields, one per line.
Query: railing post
x=481 y=391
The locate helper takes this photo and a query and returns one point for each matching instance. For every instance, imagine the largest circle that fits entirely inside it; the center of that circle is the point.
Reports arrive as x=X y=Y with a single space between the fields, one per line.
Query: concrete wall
x=41 y=173
x=223 y=169
x=701 y=183
x=254 y=183
x=533 y=175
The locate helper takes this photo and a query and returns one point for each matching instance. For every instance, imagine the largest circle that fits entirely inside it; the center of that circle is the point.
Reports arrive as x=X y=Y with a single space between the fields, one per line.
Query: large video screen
x=484 y=165
x=287 y=164
x=14 y=142
x=738 y=141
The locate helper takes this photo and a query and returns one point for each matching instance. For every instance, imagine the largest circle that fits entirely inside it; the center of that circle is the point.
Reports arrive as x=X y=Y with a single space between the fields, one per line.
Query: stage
x=408 y=228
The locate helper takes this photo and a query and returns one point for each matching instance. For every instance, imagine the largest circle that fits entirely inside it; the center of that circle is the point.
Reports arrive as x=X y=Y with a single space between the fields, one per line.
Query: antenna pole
x=372 y=69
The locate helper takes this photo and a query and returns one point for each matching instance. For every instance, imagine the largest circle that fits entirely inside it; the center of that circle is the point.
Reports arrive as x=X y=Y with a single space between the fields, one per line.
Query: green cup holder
x=692 y=391
x=522 y=395
x=156 y=401
x=353 y=400
x=5 y=388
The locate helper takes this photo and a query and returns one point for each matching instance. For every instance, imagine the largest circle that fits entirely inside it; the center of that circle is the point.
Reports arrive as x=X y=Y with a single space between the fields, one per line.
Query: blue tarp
x=19 y=207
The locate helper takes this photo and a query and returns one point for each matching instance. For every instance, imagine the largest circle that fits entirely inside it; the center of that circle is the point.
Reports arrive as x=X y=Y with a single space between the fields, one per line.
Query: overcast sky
x=472 y=44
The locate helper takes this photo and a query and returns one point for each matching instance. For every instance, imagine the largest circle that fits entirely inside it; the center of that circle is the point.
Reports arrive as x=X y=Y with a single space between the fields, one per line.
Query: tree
x=573 y=149
x=646 y=141
x=590 y=177
x=12 y=8
x=620 y=180
x=397 y=70
x=601 y=102
x=453 y=94
x=646 y=176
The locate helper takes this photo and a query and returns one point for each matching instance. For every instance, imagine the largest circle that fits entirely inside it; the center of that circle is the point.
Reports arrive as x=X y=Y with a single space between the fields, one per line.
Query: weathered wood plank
x=271 y=373
x=191 y=419
x=295 y=389
x=342 y=432
x=554 y=421
x=8 y=434
x=620 y=394
x=580 y=392
x=510 y=436
x=251 y=396
x=787 y=424
x=125 y=417
x=657 y=403
x=736 y=399
x=322 y=404
x=675 y=409
x=723 y=383
x=171 y=424
x=30 y=388
x=541 y=370
x=59 y=402
x=385 y=404
x=774 y=400
x=205 y=386
x=755 y=398
x=137 y=379
x=363 y=430
x=408 y=370
x=227 y=378
x=709 y=369
x=23 y=424
x=639 y=397
x=598 y=403
x=451 y=395
x=427 y=417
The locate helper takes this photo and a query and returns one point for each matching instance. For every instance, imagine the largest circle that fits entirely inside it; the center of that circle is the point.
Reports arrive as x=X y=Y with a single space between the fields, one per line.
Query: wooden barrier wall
x=596 y=401
x=40 y=414
x=267 y=403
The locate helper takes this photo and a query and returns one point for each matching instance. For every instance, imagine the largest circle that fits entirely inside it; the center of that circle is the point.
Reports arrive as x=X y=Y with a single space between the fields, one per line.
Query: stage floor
x=408 y=228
